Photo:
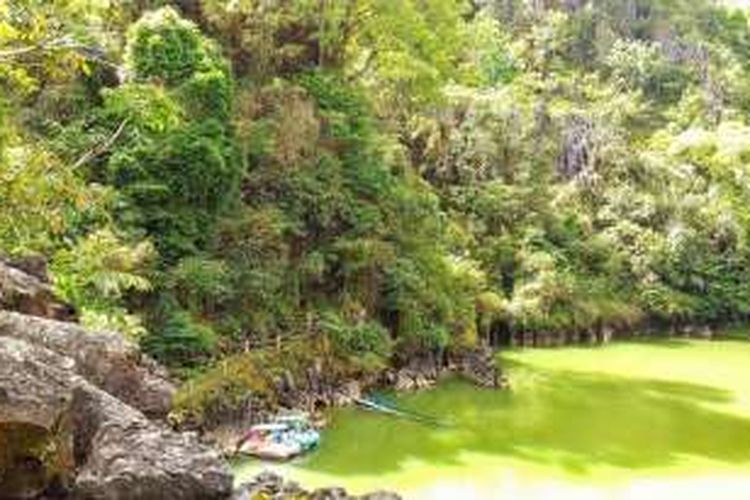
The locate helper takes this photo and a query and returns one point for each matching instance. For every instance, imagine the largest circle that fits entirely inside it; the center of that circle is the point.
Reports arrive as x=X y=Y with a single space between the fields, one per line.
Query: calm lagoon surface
x=646 y=420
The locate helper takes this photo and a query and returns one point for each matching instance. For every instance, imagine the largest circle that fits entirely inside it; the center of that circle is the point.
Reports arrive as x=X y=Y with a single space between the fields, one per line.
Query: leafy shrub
x=181 y=341
x=199 y=283
x=101 y=268
x=220 y=389
x=356 y=338
x=177 y=170
x=115 y=319
x=208 y=94
x=164 y=46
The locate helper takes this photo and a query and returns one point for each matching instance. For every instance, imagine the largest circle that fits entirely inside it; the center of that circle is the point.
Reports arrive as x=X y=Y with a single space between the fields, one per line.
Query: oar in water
x=423 y=417
x=390 y=409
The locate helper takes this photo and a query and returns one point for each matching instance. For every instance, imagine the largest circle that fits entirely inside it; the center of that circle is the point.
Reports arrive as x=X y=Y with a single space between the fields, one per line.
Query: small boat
x=283 y=438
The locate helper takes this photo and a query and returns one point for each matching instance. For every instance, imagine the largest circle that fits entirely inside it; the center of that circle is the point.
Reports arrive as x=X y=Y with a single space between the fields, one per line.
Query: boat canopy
x=292 y=418
x=270 y=427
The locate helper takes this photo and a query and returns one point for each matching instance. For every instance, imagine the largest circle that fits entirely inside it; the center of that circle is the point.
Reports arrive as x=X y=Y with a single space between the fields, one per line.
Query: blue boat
x=284 y=437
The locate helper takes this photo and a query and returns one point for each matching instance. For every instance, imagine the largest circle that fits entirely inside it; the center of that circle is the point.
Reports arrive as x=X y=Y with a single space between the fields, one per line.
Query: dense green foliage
x=390 y=176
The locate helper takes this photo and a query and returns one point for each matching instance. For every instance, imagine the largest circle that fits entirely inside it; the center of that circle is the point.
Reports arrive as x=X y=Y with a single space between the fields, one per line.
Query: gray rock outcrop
x=128 y=457
x=268 y=485
x=30 y=294
x=61 y=433
x=105 y=359
x=36 y=447
x=479 y=367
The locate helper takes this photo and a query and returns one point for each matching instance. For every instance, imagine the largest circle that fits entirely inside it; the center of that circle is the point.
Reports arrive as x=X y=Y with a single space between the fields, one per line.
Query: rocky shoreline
x=315 y=392
x=62 y=435
x=83 y=415
x=270 y=486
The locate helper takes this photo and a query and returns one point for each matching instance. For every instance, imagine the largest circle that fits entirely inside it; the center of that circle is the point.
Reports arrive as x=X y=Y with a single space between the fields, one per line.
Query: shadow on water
x=564 y=419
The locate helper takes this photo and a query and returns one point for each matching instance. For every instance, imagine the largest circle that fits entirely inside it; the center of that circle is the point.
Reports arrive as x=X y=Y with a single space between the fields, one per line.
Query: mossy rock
x=33 y=460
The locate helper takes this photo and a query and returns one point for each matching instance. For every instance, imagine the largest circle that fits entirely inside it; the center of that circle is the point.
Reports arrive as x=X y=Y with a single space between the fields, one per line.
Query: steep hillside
x=368 y=182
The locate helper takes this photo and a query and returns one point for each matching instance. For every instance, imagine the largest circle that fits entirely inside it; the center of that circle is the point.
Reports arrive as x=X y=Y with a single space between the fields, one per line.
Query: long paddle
x=390 y=409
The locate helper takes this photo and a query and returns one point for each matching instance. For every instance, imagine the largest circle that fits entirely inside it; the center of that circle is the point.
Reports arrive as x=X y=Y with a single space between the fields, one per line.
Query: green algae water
x=658 y=419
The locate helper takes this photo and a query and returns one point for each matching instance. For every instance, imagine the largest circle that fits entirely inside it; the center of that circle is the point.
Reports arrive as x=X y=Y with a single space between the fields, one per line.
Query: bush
x=177 y=167
x=98 y=273
x=199 y=283
x=221 y=389
x=208 y=94
x=181 y=341
x=356 y=338
x=164 y=46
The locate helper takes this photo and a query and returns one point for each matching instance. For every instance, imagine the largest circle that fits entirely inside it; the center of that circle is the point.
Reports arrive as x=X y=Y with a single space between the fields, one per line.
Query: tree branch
x=60 y=43
x=100 y=148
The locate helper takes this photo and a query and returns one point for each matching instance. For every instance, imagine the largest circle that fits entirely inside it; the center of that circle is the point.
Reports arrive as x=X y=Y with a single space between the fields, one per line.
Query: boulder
x=418 y=371
x=106 y=360
x=478 y=365
x=380 y=495
x=129 y=457
x=347 y=393
x=329 y=494
x=422 y=381
x=32 y=264
x=268 y=485
x=61 y=433
x=404 y=381
x=36 y=437
x=410 y=380
x=27 y=293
